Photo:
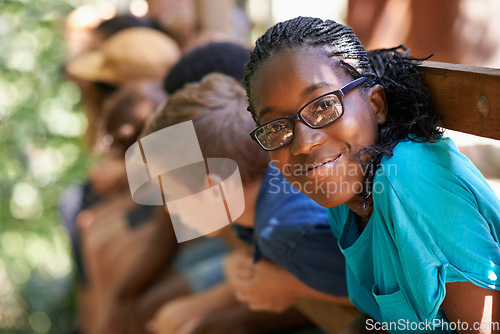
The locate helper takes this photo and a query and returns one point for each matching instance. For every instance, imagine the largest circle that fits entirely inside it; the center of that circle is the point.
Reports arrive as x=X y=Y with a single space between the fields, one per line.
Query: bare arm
x=475 y=308
x=266 y=286
x=122 y=302
x=155 y=254
x=466 y=302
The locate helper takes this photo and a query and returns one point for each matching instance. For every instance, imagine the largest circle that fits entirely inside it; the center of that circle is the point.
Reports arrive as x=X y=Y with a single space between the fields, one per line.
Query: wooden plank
x=328 y=316
x=467 y=96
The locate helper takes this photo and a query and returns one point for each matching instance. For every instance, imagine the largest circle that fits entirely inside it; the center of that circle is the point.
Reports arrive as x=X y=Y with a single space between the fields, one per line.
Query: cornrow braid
x=411 y=114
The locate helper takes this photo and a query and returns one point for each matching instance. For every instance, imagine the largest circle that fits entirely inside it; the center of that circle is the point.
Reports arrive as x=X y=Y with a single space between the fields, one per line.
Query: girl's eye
x=323 y=104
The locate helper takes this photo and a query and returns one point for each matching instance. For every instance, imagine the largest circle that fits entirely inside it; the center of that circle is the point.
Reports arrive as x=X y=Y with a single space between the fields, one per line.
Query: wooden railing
x=467 y=96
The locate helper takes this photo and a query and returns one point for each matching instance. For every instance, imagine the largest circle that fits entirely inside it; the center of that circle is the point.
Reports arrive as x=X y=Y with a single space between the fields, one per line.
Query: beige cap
x=129 y=55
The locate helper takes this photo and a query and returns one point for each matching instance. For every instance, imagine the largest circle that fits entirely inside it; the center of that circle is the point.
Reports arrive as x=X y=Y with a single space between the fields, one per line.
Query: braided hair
x=411 y=114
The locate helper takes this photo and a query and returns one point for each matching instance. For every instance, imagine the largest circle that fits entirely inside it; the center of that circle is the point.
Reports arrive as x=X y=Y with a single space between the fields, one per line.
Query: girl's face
x=321 y=163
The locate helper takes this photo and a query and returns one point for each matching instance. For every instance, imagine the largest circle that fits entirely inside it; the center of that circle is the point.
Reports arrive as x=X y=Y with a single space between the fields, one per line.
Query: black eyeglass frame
x=340 y=93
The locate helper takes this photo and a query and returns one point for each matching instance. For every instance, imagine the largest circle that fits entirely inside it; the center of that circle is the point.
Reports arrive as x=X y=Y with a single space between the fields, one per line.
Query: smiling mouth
x=319 y=169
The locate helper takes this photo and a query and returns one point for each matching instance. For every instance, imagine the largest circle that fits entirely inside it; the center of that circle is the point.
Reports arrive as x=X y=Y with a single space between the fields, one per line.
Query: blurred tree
x=41 y=152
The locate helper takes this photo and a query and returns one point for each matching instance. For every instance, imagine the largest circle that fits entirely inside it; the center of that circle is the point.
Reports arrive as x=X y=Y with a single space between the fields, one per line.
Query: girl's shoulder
x=414 y=150
x=414 y=159
x=430 y=195
x=426 y=177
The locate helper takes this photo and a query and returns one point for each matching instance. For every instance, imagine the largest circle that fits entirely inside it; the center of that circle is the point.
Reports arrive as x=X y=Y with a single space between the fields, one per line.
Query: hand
x=264 y=286
x=238 y=265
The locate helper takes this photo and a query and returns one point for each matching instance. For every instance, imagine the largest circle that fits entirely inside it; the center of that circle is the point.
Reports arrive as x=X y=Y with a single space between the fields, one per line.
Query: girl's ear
x=376 y=94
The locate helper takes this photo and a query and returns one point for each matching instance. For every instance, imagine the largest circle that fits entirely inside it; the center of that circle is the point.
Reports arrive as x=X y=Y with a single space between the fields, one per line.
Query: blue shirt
x=293 y=231
x=435 y=220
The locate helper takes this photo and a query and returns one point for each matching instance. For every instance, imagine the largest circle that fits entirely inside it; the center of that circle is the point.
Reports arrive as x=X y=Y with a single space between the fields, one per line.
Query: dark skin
x=340 y=140
x=150 y=265
x=298 y=76
x=469 y=303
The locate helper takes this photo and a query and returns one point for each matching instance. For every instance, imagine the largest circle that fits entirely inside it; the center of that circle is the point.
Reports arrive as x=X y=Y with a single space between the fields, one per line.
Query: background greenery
x=41 y=152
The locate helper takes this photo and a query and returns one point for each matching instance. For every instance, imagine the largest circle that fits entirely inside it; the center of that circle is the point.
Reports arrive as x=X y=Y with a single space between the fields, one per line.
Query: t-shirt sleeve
x=441 y=224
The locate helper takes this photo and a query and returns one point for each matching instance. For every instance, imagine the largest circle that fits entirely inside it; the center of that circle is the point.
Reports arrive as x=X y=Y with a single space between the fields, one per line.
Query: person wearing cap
x=129 y=55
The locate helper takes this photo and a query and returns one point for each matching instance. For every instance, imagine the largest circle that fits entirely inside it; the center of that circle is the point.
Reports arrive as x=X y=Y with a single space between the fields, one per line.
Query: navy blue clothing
x=293 y=231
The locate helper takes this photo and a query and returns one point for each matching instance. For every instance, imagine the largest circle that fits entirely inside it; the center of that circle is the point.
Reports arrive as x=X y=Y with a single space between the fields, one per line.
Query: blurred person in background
x=110 y=228
x=114 y=230
x=197 y=265
x=290 y=253
x=454 y=31
x=195 y=22
x=129 y=54
x=125 y=52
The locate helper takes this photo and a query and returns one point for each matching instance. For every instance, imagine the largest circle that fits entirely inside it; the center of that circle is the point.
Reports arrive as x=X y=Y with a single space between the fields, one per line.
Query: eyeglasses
x=316 y=114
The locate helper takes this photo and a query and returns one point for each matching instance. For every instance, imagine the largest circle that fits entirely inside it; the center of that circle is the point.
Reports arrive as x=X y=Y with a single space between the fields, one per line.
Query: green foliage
x=41 y=152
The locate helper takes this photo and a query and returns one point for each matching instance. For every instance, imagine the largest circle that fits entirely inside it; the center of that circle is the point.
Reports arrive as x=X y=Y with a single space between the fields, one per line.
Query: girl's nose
x=305 y=138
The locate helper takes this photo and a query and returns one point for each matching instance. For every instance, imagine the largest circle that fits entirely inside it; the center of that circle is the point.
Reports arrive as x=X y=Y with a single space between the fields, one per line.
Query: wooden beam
x=328 y=316
x=467 y=96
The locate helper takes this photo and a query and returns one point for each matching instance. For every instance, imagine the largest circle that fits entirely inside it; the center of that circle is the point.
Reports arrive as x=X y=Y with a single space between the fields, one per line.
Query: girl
x=358 y=133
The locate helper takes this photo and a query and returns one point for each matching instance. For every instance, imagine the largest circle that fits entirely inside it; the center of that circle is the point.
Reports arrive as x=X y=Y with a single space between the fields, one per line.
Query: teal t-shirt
x=435 y=221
